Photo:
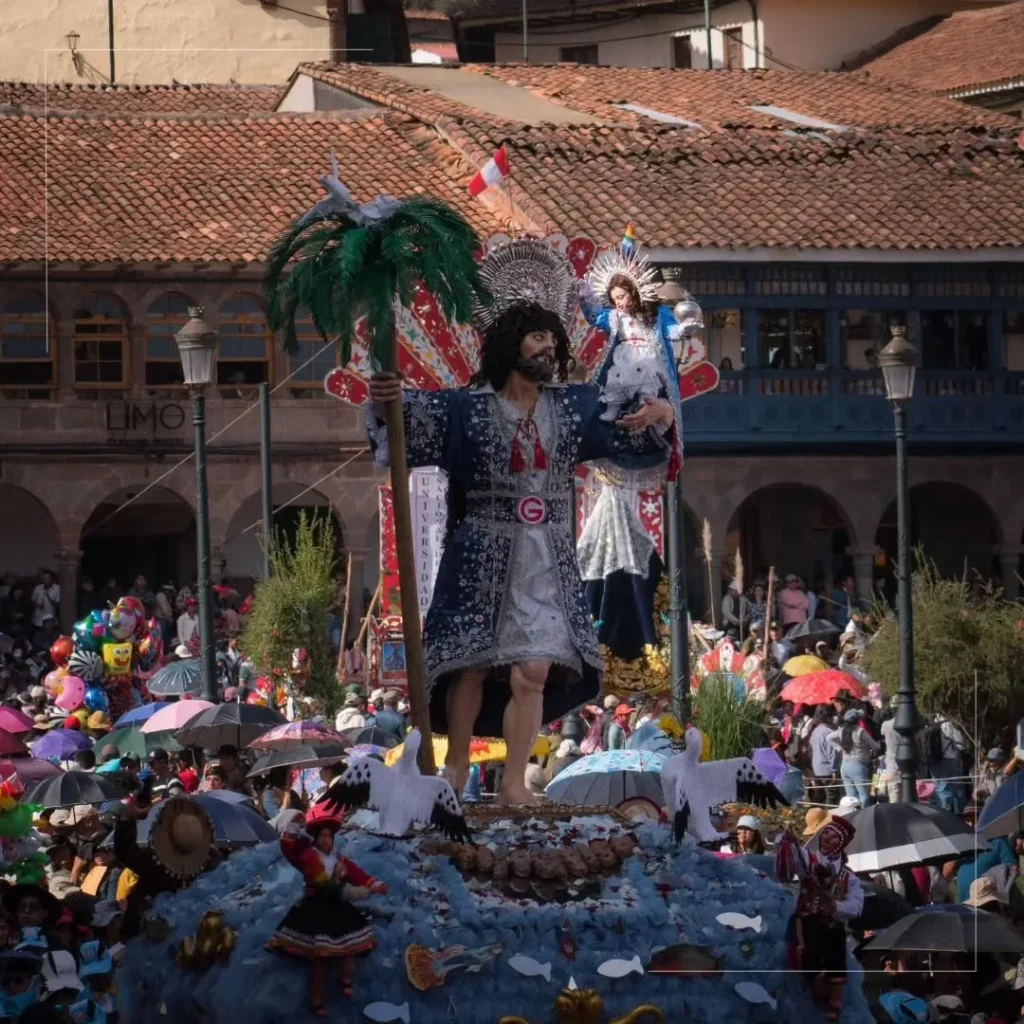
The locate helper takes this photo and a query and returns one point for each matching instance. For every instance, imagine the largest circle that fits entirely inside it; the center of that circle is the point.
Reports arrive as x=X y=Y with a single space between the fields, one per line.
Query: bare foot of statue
x=457 y=775
x=515 y=796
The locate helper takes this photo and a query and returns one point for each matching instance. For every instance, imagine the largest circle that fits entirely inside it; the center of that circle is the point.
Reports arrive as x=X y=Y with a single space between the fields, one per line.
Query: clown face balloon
x=134 y=607
x=122 y=623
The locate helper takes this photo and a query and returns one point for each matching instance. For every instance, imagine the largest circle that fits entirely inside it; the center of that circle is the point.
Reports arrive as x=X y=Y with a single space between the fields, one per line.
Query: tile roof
x=963 y=53
x=120 y=100
x=954 y=190
x=201 y=190
x=724 y=98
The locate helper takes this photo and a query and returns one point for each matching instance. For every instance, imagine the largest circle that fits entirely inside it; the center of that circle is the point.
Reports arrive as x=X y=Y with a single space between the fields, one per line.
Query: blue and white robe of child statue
x=508 y=586
x=618 y=560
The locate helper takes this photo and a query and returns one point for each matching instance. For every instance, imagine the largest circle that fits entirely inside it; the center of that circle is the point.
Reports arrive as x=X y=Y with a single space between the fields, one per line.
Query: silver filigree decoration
x=528 y=270
x=637 y=268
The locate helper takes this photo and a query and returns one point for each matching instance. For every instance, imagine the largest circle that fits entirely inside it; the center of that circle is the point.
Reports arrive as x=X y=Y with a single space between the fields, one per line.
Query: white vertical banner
x=428 y=489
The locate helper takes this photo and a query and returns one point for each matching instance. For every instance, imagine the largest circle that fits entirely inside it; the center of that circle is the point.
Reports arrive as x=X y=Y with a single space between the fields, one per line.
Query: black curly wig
x=500 y=350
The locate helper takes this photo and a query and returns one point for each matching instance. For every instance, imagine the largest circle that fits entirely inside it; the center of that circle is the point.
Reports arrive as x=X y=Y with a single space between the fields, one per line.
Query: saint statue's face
x=622 y=299
x=537 y=356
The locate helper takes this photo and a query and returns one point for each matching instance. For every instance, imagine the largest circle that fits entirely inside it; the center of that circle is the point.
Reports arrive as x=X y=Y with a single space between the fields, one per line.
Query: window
x=26 y=352
x=164 y=318
x=732 y=38
x=863 y=334
x=578 y=54
x=100 y=342
x=243 y=355
x=1013 y=340
x=954 y=340
x=312 y=362
x=682 y=52
x=791 y=339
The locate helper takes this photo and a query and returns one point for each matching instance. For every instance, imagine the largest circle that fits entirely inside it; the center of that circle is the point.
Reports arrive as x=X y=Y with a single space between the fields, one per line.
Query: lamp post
x=197 y=345
x=898 y=361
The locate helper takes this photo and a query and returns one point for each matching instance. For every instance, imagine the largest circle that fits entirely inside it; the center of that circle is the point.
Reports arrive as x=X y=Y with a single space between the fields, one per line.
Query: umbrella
x=950 y=928
x=813 y=629
x=172 y=717
x=650 y=736
x=14 y=721
x=60 y=744
x=802 y=664
x=892 y=835
x=769 y=764
x=71 y=788
x=882 y=907
x=371 y=734
x=821 y=687
x=610 y=778
x=304 y=755
x=292 y=734
x=234 y=824
x=366 y=750
x=231 y=724
x=134 y=741
x=28 y=770
x=140 y=714
x=1003 y=813
x=229 y=796
x=11 y=744
x=177 y=679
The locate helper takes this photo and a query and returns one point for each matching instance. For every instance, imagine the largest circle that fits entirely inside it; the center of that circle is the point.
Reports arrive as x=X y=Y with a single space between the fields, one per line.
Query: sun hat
x=41 y=723
x=182 y=652
x=944 y=1007
x=95 y=958
x=37 y=692
x=60 y=973
x=353 y=700
x=903 y=1008
x=71 y=817
x=611 y=702
x=984 y=890
x=835 y=837
x=848 y=805
x=318 y=817
x=181 y=837
x=98 y=722
x=749 y=821
x=816 y=819
x=13 y=895
x=623 y=709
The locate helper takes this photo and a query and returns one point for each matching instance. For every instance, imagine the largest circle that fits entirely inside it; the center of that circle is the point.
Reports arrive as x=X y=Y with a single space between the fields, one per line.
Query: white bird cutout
x=693 y=787
x=401 y=794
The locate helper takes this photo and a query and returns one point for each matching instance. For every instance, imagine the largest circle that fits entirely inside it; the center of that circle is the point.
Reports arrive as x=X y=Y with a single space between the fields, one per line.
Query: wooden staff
x=344 y=619
x=768 y=613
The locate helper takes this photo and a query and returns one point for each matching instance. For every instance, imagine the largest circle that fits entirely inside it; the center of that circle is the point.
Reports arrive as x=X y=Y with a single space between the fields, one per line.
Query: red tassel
x=540 y=460
x=517 y=463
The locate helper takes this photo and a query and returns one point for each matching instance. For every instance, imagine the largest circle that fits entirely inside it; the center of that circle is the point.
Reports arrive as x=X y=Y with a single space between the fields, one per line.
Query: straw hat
x=984 y=890
x=815 y=820
x=98 y=722
x=181 y=837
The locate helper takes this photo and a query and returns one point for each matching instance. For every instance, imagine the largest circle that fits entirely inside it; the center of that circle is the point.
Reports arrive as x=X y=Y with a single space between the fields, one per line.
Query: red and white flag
x=493 y=171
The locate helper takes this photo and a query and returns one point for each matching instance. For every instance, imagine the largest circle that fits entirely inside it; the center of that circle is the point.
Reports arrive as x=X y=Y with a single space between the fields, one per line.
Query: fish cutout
x=685 y=958
x=740 y=921
x=754 y=993
x=529 y=968
x=620 y=968
x=387 y=1012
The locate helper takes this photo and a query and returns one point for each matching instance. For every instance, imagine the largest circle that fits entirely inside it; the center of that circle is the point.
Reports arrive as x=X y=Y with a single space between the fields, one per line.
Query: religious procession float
x=517 y=912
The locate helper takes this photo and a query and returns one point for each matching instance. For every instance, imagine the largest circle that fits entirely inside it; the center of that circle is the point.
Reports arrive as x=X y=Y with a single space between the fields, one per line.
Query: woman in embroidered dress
x=508 y=639
x=618 y=559
x=830 y=895
x=324 y=925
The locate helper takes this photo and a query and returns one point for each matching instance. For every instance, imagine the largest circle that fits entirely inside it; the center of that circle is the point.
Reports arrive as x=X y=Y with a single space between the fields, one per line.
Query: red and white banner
x=493 y=171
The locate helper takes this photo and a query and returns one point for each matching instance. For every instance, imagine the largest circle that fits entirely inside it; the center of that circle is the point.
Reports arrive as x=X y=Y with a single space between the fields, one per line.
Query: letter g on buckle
x=532 y=510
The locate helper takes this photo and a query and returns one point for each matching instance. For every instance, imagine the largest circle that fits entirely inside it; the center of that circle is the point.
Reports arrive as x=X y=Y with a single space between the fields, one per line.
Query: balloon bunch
x=95 y=665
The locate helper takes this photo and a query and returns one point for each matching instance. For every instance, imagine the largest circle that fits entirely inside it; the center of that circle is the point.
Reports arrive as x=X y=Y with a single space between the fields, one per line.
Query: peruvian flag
x=493 y=171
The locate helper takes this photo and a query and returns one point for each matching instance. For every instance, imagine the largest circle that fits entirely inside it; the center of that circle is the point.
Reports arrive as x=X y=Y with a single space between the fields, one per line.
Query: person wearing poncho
x=324 y=925
x=830 y=895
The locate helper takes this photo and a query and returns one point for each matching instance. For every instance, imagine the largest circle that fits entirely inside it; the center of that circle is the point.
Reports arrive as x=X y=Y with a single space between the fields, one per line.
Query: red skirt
x=323 y=925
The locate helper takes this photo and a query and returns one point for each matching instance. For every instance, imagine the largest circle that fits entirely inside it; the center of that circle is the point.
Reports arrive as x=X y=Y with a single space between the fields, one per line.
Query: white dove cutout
x=400 y=794
x=693 y=787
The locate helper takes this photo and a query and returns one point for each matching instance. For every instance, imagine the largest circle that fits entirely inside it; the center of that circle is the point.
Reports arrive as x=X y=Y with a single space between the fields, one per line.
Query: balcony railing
x=758 y=407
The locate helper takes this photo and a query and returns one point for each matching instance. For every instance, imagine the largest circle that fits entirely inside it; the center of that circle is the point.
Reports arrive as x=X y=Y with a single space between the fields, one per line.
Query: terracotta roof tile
x=967 y=49
x=122 y=100
x=201 y=190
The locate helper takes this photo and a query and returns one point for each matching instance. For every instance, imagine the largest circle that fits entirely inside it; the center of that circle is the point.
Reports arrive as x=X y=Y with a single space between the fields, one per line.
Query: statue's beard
x=537 y=369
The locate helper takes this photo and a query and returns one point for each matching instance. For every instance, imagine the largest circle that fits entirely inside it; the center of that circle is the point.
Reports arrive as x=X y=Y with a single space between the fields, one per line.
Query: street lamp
x=197 y=346
x=898 y=361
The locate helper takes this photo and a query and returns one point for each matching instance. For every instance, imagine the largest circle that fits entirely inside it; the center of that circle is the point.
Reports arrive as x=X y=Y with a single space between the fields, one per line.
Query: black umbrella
x=950 y=928
x=892 y=835
x=882 y=907
x=177 y=679
x=369 y=734
x=304 y=756
x=233 y=724
x=71 y=788
x=813 y=629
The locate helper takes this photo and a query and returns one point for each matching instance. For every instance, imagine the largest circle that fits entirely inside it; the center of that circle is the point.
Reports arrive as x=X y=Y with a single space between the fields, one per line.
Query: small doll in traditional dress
x=324 y=925
x=830 y=895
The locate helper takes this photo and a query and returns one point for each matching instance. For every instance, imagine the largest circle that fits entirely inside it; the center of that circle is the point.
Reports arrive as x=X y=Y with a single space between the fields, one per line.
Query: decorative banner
x=428 y=489
x=648 y=505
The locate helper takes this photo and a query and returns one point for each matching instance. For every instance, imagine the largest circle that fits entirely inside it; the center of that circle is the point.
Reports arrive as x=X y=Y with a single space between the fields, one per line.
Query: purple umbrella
x=769 y=764
x=29 y=770
x=60 y=744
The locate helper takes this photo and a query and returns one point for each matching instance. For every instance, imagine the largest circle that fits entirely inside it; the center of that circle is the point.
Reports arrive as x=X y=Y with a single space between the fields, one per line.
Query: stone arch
x=30 y=538
x=953 y=523
x=133 y=530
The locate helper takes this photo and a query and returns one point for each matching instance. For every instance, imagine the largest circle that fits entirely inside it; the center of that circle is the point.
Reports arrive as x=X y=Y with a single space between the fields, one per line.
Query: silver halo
x=528 y=270
x=637 y=268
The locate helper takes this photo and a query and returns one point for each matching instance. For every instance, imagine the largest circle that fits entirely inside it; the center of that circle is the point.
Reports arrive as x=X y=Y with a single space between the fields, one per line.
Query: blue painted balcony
x=766 y=409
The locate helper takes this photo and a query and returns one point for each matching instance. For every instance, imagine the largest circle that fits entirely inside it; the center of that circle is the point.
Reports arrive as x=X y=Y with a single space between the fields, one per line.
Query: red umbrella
x=821 y=687
x=15 y=721
x=11 y=744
